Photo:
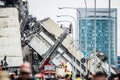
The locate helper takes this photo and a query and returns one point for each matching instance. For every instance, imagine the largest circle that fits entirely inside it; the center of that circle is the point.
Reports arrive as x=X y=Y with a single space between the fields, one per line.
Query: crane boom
x=52 y=49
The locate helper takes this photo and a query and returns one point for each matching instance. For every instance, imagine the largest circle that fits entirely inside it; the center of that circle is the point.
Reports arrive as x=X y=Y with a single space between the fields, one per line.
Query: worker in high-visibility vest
x=78 y=77
x=64 y=66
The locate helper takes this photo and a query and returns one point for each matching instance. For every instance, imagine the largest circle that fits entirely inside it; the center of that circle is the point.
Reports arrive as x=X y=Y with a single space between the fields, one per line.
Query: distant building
x=102 y=34
x=118 y=62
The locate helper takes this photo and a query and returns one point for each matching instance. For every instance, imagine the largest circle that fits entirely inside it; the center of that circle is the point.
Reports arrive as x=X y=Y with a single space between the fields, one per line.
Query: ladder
x=53 y=49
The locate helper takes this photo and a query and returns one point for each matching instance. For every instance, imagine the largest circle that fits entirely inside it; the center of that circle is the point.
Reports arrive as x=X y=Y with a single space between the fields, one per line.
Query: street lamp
x=72 y=18
x=109 y=45
x=65 y=21
x=67 y=16
x=80 y=16
x=71 y=8
x=80 y=19
x=77 y=27
x=95 y=34
x=86 y=23
x=72 y=36
x=74 y=22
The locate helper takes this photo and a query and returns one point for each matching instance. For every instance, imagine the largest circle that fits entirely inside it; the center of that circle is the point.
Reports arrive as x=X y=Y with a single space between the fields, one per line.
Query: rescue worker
x=70 y=75
x=25 y=72
x=78 y=77
x=116 y=77
x=90 y=77
x=100 y=76
x=67 y=77
x=13 y=76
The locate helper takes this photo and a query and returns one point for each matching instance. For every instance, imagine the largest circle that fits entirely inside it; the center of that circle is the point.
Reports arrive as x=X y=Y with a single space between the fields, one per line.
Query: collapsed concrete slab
x=10 y=38
x=55 y=30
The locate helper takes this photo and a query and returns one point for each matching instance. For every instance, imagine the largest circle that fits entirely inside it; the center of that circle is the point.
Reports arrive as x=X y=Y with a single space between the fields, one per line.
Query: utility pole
x=73 y=37
x=95 y=33
x=77 y=29
x=85 y=24
x=109 y=44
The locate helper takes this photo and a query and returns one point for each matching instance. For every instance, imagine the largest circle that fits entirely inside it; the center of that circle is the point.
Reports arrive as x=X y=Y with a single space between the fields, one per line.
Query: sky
x=49 y=8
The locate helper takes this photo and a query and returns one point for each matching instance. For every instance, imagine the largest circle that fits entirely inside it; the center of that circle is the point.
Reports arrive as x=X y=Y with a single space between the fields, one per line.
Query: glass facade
x=102 y=34
x=118 y=58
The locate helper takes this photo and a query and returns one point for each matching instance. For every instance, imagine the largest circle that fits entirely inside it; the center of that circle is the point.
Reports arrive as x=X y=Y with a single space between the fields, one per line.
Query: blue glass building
x=118 y=62
x=86 y=32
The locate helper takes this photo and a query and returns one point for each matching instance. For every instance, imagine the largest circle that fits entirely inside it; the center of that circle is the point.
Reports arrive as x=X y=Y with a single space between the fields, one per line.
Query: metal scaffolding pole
x=86 y=24
x=109 y=45
x=95 y=33
x=77 y=40
x=74 y=58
